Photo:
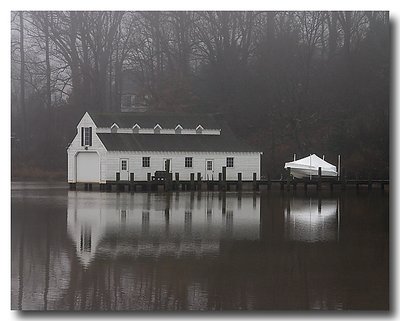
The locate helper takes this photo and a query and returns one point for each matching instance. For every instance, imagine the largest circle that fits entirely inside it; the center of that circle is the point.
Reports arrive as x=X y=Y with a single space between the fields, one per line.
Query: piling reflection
x=154 y=225
x=312 y=220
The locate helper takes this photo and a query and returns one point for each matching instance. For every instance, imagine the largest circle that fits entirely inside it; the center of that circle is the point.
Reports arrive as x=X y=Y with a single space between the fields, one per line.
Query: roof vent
x=157 y=129
x=178 y=129
x=199 y=129
x=135 y=128
x=114 y=128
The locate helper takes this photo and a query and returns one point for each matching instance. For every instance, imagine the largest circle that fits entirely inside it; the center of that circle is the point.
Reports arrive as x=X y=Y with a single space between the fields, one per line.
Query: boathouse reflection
x=155 y=225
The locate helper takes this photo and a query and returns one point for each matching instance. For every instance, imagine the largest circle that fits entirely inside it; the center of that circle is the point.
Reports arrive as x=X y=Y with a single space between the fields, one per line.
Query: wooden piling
x=319 y=178
x=148 y=184
x=198 y=181
x=255 y=186
x=72 y=186
x=343 y=179
x=224 y=178
x=175 y=184
x=132 y=182
x=239 y=183
x=288 y=178
x=191 y=181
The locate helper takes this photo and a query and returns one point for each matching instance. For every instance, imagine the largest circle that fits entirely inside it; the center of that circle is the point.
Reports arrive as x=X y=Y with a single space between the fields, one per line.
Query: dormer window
x=178 y=129
x=86 y=136
x=157 y=129
x=199 y=129
x=135 y=128
x=114 y=128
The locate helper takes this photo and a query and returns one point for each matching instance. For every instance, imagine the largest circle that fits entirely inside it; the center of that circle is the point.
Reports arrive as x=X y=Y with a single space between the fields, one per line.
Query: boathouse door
x=124 y=169
x=209 y=169
x=87 y=167
x=168 y=165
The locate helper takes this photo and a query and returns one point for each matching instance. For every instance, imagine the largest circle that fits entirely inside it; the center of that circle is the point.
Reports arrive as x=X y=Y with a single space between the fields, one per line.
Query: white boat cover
x=309 y=166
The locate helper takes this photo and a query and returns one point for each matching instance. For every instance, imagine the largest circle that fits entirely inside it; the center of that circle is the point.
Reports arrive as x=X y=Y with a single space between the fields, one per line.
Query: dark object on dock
x=161 y=176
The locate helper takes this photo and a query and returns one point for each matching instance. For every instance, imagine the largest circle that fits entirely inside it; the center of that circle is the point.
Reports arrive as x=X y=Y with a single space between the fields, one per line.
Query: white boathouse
x=121 y=146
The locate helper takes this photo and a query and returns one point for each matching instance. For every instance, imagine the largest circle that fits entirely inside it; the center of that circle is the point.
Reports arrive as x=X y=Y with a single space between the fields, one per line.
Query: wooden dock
x=166 y=183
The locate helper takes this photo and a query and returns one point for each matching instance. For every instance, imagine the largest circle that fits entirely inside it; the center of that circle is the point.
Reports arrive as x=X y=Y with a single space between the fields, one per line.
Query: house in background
x=134 y=97
x=112 y=146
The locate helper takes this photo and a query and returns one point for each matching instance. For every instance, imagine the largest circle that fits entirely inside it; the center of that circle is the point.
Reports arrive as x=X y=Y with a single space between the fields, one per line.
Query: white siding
x=245 y=163
x=76 y=147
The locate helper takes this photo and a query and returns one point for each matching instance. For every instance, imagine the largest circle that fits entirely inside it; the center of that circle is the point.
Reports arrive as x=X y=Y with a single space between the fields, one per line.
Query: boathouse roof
x=151 y=119
x=192 y=143
x=225 y=141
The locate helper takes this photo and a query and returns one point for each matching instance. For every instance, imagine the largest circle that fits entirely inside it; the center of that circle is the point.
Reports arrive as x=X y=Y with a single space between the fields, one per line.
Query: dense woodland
x=286 y=82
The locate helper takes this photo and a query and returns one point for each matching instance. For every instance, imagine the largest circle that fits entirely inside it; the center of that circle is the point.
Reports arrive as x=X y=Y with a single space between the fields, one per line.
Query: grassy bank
x=24 y=173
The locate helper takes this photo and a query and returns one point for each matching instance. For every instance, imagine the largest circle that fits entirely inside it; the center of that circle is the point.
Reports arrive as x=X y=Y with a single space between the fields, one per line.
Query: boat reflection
x=312 y=220
x=108 y=225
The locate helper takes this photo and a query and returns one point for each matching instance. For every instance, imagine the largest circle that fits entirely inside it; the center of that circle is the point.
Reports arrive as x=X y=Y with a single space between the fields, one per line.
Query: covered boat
x=308 y=166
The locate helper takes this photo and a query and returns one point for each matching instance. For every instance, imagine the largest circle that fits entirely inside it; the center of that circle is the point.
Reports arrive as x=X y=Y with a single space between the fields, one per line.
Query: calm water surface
x=198 y=251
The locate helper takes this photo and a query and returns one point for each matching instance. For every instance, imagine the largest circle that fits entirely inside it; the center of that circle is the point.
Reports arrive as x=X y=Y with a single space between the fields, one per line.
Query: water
x=198 y=251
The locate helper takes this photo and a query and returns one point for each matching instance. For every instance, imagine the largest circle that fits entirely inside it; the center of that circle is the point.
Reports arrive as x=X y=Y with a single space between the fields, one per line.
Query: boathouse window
x=188 y=162
x=229 y=162
x=209 y=165
x=146 y=161
x=124 y=165
x=86 y=136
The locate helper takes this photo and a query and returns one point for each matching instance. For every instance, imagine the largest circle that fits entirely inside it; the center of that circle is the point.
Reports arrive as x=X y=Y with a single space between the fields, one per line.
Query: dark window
x=188 y=161
x=229 y=162
x=209 y=165
x=86 y=136
x=146 y=162
x=124 y=165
